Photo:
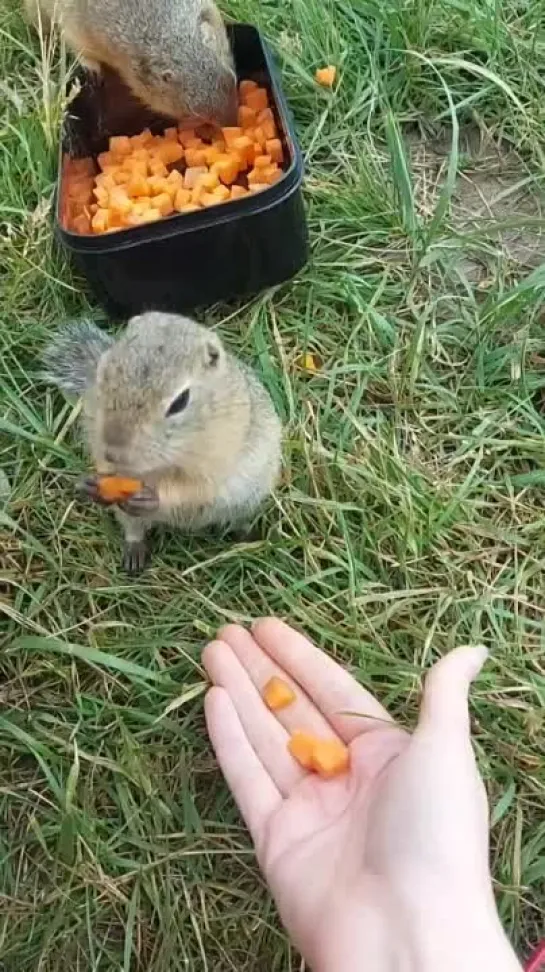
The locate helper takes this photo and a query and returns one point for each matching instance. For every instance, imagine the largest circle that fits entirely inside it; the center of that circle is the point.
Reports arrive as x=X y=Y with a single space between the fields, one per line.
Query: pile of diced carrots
x=143 y=177
x=327 y=757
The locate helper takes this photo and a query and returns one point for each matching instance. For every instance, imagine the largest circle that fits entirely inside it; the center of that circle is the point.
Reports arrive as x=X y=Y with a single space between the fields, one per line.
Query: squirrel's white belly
x=234 y=501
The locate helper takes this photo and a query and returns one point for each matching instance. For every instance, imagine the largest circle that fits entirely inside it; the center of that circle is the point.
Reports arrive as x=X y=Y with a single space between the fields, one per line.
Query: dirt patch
x=494 y=186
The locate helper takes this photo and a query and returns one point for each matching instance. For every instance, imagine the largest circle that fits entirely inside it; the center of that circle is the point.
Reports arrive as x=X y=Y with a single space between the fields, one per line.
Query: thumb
x=444 y=704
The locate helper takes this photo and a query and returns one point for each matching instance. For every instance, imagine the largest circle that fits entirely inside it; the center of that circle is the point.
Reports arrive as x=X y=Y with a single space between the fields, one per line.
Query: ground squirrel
x=167 y=404
x=174 y=55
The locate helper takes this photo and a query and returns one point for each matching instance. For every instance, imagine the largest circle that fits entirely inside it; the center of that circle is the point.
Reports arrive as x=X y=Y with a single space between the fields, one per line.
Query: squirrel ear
x=212 y=353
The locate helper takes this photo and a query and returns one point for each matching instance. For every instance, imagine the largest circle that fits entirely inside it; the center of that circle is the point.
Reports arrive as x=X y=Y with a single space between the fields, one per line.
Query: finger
x=445 y=700
x=301 y=713
x=348 y=707
x=265 y=734
x=253 y=790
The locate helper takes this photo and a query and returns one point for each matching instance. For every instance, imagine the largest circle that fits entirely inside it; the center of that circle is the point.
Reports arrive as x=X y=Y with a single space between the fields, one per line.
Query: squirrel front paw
x=143 y=503
x=87 y=489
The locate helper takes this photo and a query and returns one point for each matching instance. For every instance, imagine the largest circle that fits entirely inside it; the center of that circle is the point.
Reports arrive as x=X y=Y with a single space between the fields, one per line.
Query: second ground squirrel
x=174 y=55
x=167 y=404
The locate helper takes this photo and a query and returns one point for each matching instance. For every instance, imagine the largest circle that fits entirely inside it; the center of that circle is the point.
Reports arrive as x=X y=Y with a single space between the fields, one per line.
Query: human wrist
x=445 y=936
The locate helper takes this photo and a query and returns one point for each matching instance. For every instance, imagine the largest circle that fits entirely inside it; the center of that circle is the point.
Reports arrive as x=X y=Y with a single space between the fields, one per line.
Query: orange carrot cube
x=274 y=148
x=100 y=221
x=192 y=174
x=237 y=192
x=330 y=757
x=257 y=99
x=181 y=199
x=120 y=145
x=247 y=117
x=163 y=202
x=277 y=694
x=326 y=76
x=301 y=746
x=185 y=136
x=227 y=168
x=245 y=86
x=229 y=134
x=195 y=156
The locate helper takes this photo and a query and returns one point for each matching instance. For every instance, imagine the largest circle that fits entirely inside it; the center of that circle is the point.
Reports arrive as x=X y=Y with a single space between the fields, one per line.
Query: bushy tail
x=70 y=360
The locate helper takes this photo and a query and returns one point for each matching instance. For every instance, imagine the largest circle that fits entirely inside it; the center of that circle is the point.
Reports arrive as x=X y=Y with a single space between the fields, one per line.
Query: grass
x=410 y=518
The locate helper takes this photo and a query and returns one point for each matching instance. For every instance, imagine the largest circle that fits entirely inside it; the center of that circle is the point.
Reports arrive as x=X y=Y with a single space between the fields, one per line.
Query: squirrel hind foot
x=135 y=556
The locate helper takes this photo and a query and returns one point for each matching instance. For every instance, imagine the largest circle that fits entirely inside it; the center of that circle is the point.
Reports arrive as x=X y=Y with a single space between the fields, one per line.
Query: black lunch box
x=195 y=259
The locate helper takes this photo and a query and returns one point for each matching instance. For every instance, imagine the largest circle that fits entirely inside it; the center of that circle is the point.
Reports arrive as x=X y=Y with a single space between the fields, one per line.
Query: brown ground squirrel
x=167 y=404
x=174 y=55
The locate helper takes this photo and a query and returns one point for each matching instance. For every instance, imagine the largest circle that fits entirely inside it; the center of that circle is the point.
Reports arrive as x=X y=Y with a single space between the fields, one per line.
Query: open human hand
x=385 y=867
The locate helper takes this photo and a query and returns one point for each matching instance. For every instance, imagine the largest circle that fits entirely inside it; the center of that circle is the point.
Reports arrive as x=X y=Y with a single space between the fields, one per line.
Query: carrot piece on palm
x=277 y=694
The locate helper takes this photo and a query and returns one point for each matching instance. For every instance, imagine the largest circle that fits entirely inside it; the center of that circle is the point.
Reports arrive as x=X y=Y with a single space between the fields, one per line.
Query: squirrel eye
x=179 y=403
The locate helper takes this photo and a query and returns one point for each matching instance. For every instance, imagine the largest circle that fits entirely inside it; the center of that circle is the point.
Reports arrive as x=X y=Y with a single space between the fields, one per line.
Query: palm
x=316 y=843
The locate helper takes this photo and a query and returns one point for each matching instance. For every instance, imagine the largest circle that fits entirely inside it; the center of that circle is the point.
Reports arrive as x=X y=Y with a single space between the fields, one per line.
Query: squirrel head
x=160 y=391
x=183 y=65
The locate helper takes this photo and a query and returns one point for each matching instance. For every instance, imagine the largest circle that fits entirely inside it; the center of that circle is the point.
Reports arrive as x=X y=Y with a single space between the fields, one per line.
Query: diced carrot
x=327 y=757
x=195 y=156
x=245 y=86
x=301 y=746
x=181 y=199
x=100 y=221
x=114 y=489
x=120 y=145
x=138 y=186
x=143 y=138
x=120 y=202
x=158 y=168
x=277 y=694
x=262 y=161
x=102 y=196
x=152 y=214
x=330 y=757
x=105 y=160
x=271 y=174
x=169 y=152
x=163 y=202
x=259 y=136
x=257 y=99
x=227 y=168
x=191 y=175
x=269 y=129
x=254 y=176
x=237 y=192
x=208 y=180
x=185 y=136
x=247 y=117
x=141 y=178
x=157 y=185
x=275 y=150
x=230 y=134
x=209 y=199
x=245 y=149
x=212 y=154
x=326 y=76
x=120 y=176
x=222 y=193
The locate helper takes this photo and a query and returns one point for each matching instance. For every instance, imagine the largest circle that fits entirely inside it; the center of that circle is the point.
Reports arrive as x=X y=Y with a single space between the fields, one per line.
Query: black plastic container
x=191 y=259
